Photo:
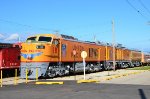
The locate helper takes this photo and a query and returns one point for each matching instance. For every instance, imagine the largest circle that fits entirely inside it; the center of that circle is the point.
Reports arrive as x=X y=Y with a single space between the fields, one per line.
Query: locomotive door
x=6 y=59
x=55 y=48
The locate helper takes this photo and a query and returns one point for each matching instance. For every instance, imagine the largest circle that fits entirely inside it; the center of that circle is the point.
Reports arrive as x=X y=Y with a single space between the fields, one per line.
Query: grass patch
x=140 y=68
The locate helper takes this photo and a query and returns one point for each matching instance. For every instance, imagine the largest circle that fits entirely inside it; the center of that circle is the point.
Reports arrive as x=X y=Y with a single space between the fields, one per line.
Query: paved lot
x=72 y=90
x=76 y=91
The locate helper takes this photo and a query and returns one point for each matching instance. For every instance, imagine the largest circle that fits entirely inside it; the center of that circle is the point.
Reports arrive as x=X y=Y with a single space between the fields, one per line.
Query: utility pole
x=18 y=39
x=94 y=38
x=113 y=42
x=57 y=33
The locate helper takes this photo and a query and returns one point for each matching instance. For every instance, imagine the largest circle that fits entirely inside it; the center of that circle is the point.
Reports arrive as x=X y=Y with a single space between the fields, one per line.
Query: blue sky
x=80 y=18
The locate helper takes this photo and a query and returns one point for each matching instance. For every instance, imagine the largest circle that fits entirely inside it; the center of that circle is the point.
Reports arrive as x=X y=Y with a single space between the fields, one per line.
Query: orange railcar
x=136 y=57
x=95 y=54
x=122 y=57
x=93 y=51
x=145 y=59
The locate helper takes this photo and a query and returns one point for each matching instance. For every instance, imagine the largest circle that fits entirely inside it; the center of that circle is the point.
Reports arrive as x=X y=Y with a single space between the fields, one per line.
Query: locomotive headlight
x=40 y=47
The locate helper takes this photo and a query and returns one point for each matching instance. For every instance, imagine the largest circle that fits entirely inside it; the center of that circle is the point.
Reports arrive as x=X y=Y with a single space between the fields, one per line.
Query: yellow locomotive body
x=58 y=55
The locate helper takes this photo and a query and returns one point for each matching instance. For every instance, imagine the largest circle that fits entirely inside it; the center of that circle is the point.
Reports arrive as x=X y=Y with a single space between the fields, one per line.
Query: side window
x=64 y=50
x=55 y=42
x=93 y=53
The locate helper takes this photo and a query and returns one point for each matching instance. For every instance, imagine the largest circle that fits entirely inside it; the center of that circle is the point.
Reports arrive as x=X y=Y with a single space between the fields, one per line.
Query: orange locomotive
x=54 y=55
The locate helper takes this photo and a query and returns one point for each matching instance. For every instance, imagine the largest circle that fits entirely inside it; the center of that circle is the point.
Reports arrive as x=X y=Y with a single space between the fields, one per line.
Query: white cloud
x=1 y=36
x=12 y=37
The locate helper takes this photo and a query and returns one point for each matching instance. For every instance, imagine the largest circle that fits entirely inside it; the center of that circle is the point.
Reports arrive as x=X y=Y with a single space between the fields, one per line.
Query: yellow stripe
x=88 y=81
x=38 y=83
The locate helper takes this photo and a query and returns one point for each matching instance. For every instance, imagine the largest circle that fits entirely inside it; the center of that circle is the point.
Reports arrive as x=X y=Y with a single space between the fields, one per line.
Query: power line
x=24 y=25
x=138 y=11
x=144 y=6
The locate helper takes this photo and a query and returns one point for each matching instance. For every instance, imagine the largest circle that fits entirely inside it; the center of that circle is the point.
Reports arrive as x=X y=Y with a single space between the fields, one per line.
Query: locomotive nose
x=29 y=57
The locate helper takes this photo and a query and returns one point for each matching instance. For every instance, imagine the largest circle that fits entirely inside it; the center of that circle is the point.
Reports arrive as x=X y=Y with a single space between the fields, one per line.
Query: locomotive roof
x=71 y=38
x=56 y=36
x=52 y=35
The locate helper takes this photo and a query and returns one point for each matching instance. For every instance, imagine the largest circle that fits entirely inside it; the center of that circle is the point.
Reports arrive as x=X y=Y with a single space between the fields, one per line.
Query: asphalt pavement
x=72 y=90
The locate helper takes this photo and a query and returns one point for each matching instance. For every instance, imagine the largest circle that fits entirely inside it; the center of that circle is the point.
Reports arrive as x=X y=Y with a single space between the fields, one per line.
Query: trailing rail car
x=136 y=57
x=145 y=59
x=53 y=55
x=9 y=58
x=124 y=58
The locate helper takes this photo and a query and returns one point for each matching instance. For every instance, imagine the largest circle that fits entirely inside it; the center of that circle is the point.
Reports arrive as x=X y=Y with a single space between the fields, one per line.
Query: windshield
x=32 y=39
x=45 y=39
x=41 y=39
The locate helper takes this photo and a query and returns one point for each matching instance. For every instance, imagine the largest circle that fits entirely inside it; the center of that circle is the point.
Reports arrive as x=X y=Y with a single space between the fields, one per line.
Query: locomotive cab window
x=45 y=39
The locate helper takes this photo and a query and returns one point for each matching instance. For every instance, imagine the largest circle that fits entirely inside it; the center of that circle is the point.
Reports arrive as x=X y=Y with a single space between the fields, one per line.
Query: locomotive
x=56 y=55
